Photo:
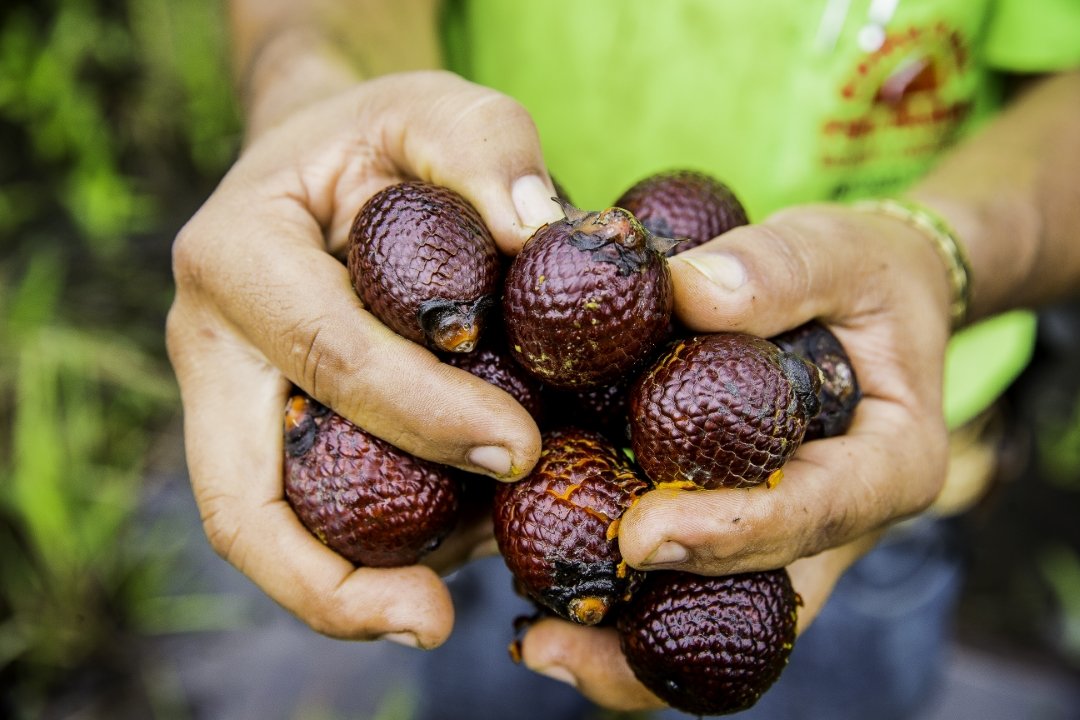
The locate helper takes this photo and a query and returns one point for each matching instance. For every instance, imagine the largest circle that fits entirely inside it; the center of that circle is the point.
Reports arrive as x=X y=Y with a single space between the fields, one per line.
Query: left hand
x=881 y=287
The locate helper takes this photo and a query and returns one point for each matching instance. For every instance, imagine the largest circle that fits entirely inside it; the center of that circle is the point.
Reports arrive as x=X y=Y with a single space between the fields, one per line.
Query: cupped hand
x=881 y=287
x=263 y=301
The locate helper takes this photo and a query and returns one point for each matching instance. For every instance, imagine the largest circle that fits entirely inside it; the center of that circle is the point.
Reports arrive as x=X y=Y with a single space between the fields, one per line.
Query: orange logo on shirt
x=902 y=101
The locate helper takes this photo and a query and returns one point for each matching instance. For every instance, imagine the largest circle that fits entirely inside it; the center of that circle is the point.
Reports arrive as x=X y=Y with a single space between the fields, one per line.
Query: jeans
x=875 y=651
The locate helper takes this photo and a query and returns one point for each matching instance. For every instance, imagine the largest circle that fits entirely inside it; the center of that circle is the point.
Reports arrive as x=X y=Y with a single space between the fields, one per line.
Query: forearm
x=1012 y=192
x=288 y=54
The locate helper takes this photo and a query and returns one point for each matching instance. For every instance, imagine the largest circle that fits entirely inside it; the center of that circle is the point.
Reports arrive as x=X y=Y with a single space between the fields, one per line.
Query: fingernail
x=532 y=200
x=561 y=674
x=402 y=638
x=492 y=458
x=720 y=268
x=667 y=553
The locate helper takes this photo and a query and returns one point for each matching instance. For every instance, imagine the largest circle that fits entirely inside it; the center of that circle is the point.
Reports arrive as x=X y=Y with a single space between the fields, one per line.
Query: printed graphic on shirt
x=902 y=103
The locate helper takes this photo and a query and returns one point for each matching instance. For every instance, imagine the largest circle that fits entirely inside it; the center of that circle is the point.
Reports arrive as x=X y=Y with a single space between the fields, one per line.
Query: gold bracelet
x=944 y=239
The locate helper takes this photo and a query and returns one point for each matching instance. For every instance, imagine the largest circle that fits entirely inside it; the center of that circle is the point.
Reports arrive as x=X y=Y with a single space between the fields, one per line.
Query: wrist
x=945 y=241
x=289 y=71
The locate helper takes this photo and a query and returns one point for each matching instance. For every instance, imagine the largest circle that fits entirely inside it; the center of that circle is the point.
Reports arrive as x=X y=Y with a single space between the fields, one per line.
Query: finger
x=799 y=265
x=233 y=434
x=479 y=142
x=295 y=303
x=832 y=492
x=588 y=658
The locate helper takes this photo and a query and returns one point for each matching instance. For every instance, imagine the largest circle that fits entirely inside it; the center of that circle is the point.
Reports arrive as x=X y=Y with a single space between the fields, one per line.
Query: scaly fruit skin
x=840 y=393
x=423 y=262
x=709 y=645
x=686 y=205
x=723 y=410
x=588 y=299
x=602 y=408
x=372 y=503
x=492 y=362
x=557 y=528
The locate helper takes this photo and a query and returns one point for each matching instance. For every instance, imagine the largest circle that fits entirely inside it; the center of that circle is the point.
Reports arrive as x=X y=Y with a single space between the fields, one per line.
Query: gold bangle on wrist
x=944 y=239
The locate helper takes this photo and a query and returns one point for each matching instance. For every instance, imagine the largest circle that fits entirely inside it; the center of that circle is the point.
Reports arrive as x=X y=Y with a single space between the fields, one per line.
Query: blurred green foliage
x=116 y=117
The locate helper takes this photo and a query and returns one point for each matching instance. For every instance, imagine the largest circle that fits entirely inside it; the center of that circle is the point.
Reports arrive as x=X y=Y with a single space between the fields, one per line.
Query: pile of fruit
x=579 y=329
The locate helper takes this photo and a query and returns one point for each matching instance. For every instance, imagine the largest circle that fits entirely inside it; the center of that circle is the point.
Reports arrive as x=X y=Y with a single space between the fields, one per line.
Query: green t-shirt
x=788 y=101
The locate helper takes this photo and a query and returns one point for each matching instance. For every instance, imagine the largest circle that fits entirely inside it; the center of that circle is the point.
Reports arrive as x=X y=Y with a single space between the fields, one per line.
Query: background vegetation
x=116 y=119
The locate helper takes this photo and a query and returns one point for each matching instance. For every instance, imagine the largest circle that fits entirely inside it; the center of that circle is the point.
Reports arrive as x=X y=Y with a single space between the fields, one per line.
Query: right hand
x=262 y=302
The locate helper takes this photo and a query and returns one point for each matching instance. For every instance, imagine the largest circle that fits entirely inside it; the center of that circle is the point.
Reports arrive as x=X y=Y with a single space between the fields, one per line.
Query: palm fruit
x=423 y=262
x=588 y=299
x=840 y=392
x=557 y=529
x=709 y=645
x=602 y=408
x=687 y=205
x=722 y=410
x=367 y=500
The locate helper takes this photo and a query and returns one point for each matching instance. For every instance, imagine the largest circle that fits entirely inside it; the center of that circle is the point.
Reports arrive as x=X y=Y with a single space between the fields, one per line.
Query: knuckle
x=838 y=524
x=788 y=257
x=326 y=616
x=313 y=358
x=488 y=109
x=189 y=256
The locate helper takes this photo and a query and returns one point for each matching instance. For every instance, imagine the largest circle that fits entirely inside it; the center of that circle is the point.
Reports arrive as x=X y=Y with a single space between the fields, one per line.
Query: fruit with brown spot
x=367 y=500
x=557 y=529
x=722 y=410
x=709 y=645
x=423 y=262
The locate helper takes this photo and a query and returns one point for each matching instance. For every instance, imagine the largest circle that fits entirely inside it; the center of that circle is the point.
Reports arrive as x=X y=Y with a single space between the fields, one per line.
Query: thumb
x=814 y=262
x=484 y=145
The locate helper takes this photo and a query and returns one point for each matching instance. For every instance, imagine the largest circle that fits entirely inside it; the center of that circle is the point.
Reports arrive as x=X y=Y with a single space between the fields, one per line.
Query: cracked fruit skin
x=840 y=393
x=367 y=500
x=423 y=262
x=722 y=410
x=557 y=528
x=709 y=645
x=588 y=299
x=687 y=205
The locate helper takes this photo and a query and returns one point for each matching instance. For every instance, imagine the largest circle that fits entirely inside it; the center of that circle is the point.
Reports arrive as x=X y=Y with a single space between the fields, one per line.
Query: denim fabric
x=878 y=648
x=471 y=677
x=876 y=651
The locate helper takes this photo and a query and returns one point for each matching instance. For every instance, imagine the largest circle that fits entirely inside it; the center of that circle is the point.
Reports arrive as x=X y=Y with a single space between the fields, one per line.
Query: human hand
x=262 y=302
x=881 y=287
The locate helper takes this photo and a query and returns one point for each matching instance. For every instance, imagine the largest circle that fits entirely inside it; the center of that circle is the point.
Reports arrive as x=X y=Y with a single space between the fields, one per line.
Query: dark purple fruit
x=603 y=409
x=558 y=528
x=709 y=645
x=686 y=205
x=840 y=392
x=492 y=362
x=423 y=262
x=723 y=410
x=588 y=299
x=370 y=502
